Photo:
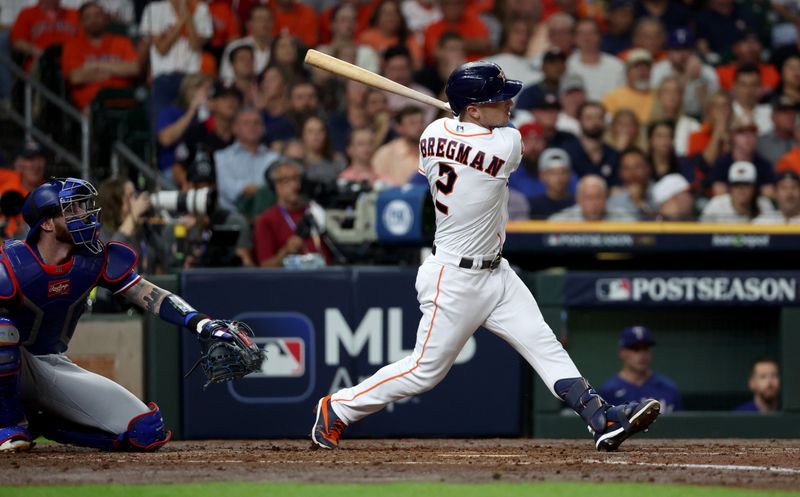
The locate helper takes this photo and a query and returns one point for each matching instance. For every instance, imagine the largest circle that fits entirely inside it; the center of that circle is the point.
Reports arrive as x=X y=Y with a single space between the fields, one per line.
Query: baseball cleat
x=625 y=420
x=328 y=427
x=15 y=439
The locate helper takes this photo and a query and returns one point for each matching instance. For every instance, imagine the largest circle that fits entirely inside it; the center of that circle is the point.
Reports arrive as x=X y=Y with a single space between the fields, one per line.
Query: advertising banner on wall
x=706 y=288
x=326 y=330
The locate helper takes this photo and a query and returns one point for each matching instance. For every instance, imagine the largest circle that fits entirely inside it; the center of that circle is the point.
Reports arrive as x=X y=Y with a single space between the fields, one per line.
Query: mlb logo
x=286 y=357
x=613 y=289
x=287 y=375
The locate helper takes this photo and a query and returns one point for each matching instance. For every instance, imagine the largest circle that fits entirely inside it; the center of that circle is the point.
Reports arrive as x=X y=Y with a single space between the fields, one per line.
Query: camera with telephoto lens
x=200 y=201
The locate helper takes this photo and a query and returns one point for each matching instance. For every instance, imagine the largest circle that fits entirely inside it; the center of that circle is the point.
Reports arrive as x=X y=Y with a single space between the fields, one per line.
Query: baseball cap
x=742 y=172
x=545 y=100
x=744 y=32
x=669 y=186
x=680 y=38
x=553 y=54
x=786 y=174
x=530 y=128
x=220 y=89
x=571 y=82
x=637 y=55
x=635 y=335
x=552 y=158
x=619 y=4
x=30 y=149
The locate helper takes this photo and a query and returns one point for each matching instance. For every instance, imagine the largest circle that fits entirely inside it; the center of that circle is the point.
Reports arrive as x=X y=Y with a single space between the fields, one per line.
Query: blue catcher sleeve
x=119 y=272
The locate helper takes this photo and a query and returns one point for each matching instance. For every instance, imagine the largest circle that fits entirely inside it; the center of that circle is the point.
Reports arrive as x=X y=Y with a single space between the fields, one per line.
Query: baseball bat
x=369 y=78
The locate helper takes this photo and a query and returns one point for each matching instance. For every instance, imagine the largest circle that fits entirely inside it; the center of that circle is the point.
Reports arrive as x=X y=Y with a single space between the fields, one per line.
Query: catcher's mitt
x=230 y=356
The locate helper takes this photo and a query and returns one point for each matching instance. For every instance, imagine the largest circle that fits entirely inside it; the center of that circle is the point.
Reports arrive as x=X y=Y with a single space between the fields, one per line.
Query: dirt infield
x=738 y=463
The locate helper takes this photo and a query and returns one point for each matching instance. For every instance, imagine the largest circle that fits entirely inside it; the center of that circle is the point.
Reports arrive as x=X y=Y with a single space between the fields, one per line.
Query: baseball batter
x=44 y=282
x=466 y=283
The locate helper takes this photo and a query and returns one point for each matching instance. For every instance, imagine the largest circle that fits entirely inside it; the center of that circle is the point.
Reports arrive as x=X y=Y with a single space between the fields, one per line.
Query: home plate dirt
x=737 y=463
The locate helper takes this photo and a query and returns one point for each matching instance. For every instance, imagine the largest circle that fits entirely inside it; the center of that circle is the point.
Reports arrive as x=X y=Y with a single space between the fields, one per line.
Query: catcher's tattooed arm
x=166 y=305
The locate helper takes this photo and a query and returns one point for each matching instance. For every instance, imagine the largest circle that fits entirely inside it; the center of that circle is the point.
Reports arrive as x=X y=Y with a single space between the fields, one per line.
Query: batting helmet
x=479 y=83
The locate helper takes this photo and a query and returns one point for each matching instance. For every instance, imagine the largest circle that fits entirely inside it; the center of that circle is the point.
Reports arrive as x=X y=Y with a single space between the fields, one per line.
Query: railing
x=120 y=152
x=26 y=121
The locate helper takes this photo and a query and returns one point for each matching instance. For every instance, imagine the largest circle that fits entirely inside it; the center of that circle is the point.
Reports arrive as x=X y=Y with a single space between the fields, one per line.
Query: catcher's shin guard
x=145 y=433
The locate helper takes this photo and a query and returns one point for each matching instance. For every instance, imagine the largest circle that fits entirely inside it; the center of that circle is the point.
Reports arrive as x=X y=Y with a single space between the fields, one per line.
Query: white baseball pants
x=455 y=302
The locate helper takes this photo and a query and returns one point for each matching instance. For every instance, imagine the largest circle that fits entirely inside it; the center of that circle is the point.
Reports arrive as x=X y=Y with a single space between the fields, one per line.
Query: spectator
x=765 y=383
x=296 y=19
x=364 y=107
x=286 y=53
x=601 y=72
x=545 y=109
x=555 y=33
x=672 y=15
x=419 y=14
x=661 y=152
x=216 y=133
x=780 y=141
x=637 y=380
x=275 y=234
x=95 y=59
x=555 y=174
x=617 y=38
x=175 y=32
x=41 y=26
x=322 y=163
x=591 y=197
x=784 y=31
x=225 y=27
x=669 y=106
x=124 y=215
x=746 y=97
x=648 y=34
x=172 y=122
x=589 y=154
x=240 y=167
x=625 y=130
x=710 y=141
x=571 y=94
x=697 y=79
x=719 y=26
x=274 y=106
x=791 y=160
x=525 y=179
x=457 y=19
x=119 y=12
x=787 y=196
x=343 y=32
x=512 y=54
x=388 y=29
x=360 y=150
x=789 y=86
x=741 y=204
x=242 y=61
x=673 y=199
x=27 y=173
x=743 y=148
x=634 y=196
x=636 y=94
x=747 y=52
x=398 y=160
x=449 y=55
x=397 y=66
x=259 y=28
x=364 y=11
x=554 y=65
x=303 y=102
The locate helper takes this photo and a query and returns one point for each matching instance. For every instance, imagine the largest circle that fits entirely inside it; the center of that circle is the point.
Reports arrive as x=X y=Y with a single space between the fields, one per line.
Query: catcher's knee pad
x=10 y=360
x=145 y=432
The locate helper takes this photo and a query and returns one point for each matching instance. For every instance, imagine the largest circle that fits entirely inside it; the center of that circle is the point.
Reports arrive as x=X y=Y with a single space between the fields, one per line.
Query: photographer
x=286 y=228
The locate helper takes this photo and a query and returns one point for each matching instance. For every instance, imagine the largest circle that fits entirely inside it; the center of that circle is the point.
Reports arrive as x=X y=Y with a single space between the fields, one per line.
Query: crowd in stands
x=674 y=110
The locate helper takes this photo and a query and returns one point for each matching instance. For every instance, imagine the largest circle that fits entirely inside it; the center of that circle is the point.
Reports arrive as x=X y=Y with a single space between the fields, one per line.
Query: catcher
x=44 y=282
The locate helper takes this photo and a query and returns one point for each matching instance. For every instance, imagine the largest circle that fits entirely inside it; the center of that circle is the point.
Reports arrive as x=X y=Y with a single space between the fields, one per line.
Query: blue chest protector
x=51 y=299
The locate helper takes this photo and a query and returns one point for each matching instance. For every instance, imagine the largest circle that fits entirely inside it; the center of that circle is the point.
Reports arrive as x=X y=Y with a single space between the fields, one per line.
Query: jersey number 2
x=445 y=187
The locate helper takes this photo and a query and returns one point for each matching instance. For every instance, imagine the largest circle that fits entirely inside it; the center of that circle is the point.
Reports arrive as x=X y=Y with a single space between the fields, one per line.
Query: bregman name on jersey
x=460 y=152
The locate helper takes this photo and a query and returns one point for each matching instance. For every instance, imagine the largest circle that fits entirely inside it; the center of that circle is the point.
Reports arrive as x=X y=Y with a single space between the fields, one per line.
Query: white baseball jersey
x=467 y=167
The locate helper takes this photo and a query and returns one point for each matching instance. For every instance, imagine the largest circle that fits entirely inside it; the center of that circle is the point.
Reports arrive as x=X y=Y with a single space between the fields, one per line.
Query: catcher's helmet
x=75 y=200
x=479 y=83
